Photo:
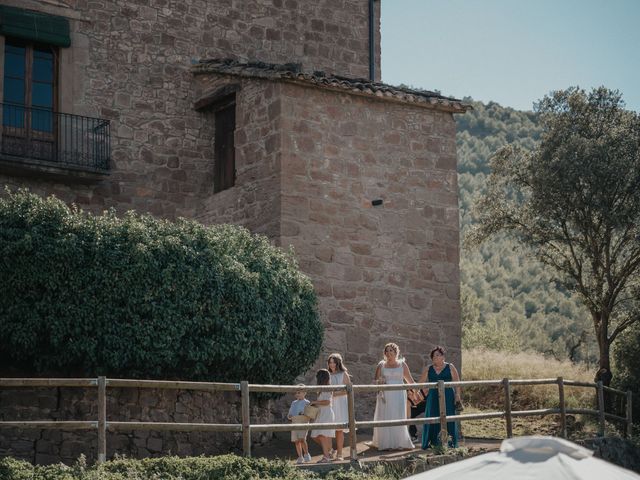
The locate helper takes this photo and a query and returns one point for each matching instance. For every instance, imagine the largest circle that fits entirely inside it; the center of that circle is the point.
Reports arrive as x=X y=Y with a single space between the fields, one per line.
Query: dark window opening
x=34 y=134
x=30 y=84
x=224 y=150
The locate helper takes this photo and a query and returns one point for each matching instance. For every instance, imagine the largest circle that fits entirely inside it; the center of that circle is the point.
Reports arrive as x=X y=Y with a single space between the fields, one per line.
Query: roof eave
x=402 y=97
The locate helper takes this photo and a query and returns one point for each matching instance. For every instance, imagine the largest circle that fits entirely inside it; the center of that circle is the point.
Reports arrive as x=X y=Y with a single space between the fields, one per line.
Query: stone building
x=256 y=112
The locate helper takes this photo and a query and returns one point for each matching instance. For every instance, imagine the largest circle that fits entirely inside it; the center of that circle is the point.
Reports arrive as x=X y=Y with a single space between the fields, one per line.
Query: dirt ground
x=282 y=448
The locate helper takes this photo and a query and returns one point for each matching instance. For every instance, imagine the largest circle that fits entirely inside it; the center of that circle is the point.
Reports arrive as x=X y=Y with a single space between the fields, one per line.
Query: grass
x=495 y=428
x=492 y=365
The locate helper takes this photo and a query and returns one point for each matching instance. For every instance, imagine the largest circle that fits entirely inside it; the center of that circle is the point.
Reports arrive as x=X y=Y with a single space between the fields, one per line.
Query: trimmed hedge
x=146 y=298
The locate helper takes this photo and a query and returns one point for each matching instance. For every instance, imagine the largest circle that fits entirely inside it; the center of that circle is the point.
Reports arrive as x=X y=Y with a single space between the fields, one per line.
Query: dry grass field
x=481 y=364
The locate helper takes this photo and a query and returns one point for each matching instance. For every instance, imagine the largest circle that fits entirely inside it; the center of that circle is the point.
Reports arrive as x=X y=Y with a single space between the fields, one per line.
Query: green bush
x=626 y=374
x=223 y=467
x=141 y=297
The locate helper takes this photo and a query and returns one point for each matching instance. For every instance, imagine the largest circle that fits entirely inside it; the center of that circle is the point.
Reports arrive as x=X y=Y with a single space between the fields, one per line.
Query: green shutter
x=38 y=27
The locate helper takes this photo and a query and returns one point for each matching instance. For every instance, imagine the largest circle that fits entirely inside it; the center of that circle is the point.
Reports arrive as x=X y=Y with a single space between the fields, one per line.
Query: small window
x=224 y=151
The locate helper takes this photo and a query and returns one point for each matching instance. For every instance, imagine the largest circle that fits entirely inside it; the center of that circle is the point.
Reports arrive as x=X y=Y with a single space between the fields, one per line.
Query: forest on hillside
x=509 y=300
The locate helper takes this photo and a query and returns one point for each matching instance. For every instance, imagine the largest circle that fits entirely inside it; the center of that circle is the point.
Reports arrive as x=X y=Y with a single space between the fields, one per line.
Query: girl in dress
x=339 y=376
x=392 y=404
x=323 y=437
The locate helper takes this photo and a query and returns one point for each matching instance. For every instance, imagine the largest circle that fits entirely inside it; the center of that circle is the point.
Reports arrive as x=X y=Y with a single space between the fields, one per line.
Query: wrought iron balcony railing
x=37 y=136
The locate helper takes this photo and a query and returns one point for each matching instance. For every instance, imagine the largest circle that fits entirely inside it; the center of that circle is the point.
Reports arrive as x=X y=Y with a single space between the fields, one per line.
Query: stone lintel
x=217 y=98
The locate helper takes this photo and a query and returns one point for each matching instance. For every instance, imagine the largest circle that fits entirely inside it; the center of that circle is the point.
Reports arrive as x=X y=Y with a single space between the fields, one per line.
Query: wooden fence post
x=629 y=415
x=102 y=419
x=507 y=407
x=353 y=441
x=563 y=408
x=444 y=433
x=600 y=409
x=246 y=424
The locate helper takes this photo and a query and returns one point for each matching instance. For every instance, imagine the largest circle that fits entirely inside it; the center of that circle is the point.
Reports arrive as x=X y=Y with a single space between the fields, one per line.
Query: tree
x=574 y=201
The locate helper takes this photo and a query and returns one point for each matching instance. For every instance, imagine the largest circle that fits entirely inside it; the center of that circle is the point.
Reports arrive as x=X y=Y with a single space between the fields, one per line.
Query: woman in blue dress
x=440 y=370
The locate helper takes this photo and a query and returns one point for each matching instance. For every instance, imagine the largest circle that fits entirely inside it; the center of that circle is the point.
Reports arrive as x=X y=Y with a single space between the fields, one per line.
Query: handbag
x=416 y=397
x=299 y=419
x=311 y=411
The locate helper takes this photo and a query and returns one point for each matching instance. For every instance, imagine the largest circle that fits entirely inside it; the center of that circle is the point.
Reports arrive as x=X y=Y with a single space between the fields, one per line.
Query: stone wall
x=386 y=273
x=129 y=63
x=131 y=404
x=254 y=201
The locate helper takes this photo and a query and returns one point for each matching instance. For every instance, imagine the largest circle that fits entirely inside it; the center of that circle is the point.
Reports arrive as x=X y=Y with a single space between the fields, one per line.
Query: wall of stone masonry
x=52 y=446
x=129 y=63
x=387 y=273
x=254 y=201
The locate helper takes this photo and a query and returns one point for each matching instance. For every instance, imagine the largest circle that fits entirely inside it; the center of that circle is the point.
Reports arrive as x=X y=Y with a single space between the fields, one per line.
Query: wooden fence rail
x=245 y=428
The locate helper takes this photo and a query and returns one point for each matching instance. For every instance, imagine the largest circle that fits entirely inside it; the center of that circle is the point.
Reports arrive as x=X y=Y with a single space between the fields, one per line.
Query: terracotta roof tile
x=360 y=86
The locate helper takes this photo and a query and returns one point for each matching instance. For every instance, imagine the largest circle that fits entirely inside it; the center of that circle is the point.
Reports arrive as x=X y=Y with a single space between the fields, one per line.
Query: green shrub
x=196 y=468
x=141 y=297
x=224 y=467
x=626 y=375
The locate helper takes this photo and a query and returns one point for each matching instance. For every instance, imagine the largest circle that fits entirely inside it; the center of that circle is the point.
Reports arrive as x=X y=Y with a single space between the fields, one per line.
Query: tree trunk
x=604 y=374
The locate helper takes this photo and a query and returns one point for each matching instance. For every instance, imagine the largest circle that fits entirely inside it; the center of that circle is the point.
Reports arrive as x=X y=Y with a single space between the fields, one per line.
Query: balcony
x=40 y=141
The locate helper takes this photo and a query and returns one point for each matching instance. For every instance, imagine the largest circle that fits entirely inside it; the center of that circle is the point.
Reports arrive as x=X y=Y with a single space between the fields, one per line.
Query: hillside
x=510 y=301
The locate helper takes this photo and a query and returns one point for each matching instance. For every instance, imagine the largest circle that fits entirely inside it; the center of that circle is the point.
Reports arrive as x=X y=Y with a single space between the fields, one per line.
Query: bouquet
x=381 y=381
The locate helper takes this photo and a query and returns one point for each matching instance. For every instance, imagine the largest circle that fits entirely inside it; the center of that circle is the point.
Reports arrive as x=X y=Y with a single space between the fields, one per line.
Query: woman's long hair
x=336 y=357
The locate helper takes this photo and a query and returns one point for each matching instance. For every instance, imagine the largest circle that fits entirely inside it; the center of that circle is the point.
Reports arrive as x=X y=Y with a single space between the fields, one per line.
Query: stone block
x=339 y=317
x=46 y=459
x=358 y=340
x=335 y=340
x=155 y=445
x=324 y=253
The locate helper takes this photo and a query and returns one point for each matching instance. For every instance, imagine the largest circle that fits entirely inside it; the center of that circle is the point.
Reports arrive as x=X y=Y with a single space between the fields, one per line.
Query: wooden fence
x=245 y=428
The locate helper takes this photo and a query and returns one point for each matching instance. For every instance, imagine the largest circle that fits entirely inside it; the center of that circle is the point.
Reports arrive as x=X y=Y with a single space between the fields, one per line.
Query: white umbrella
x=529 y=458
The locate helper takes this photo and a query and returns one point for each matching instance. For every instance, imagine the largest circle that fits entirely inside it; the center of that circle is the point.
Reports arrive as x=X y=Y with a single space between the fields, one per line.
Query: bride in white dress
x=392 y=404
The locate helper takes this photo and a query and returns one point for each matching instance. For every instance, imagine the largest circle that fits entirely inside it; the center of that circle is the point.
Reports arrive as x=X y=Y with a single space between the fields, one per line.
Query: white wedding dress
x=393 y=407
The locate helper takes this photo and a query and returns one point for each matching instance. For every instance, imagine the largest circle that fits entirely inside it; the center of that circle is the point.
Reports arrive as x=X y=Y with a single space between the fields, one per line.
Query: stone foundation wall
x=131 y=404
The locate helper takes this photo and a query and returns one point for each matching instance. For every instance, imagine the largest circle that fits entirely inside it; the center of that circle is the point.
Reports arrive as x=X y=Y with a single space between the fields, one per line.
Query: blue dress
x=431 y=432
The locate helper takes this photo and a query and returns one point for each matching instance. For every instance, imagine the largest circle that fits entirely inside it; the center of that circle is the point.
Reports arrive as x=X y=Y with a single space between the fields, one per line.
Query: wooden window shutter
x=34 y=26
x=225 y=157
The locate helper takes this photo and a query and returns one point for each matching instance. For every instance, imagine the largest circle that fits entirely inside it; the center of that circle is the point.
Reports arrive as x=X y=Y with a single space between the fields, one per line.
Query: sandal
x=324 y=460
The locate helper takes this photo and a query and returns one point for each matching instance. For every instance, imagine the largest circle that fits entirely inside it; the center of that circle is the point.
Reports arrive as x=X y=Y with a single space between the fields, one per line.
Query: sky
x=512 y=51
